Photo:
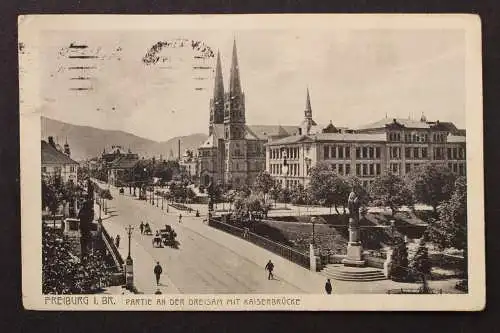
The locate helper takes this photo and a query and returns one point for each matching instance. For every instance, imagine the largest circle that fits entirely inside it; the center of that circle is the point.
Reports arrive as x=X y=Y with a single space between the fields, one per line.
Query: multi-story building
x=234 y=153
x=189 y=164
x=57 y=162
x=389 y=145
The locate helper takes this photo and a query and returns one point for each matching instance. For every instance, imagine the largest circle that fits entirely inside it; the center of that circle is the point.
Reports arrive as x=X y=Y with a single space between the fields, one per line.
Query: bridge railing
x=117 y=258
x=284 y=251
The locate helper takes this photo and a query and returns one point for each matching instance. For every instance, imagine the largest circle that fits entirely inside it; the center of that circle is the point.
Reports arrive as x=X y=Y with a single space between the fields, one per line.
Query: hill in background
x=86 y=142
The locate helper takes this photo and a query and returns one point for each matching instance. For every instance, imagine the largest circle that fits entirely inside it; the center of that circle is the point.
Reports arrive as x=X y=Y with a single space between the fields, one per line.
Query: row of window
x=336 y=152
x=277 y=169
x=368 y=169
x=456 y=153
x=417 y=137
x=58 y=169
x=289 y=153
x=458 y=168
x=416 y=153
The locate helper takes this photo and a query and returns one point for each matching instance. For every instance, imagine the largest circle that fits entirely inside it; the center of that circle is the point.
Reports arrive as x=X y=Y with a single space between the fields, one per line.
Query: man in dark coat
x=269 y=267
x=158 y=270
x=328 y=287
x=117 y=241
x=141 y=226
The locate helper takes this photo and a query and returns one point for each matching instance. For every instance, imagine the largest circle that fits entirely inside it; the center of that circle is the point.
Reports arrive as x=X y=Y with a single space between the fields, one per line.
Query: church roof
x=125 y=161
x=51 y=155
x=291 y=140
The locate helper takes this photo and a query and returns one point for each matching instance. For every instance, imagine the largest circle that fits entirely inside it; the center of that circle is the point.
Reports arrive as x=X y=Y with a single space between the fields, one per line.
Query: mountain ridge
x=87 y=141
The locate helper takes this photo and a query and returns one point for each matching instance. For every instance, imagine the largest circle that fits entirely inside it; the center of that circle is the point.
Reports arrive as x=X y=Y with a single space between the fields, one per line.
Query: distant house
x=121 y=168
x=58 y=163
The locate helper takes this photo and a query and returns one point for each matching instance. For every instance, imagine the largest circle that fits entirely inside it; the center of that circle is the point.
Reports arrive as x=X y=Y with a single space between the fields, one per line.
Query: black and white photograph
x=251 y=162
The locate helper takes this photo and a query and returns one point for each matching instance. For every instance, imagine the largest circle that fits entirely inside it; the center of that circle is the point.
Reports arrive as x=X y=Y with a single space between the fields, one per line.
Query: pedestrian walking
x=158 y=270
x=328 y=287
x=141 y=226
x=180 y=218
x=117 y=241
x=269 y=267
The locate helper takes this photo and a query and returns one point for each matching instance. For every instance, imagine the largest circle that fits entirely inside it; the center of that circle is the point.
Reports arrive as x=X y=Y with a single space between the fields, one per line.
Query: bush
x=399 y=266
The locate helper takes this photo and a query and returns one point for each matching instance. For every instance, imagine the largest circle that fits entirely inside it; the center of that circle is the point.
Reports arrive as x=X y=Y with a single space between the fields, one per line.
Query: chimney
x=179 y=149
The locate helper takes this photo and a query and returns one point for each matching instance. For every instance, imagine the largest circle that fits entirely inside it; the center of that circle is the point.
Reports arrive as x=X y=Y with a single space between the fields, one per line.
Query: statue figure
x=353 y=205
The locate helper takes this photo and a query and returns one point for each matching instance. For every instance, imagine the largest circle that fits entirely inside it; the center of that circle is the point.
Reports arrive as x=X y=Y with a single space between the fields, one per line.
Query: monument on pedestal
x=354 y=247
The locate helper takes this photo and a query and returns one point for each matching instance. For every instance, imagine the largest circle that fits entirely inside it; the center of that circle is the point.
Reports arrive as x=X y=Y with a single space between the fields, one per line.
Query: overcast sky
x=354 y=77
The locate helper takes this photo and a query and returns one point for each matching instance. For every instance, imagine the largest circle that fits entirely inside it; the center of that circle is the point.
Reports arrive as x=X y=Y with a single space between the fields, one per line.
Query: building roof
x=124 y=162
x=410 y=123
x=51 y=155
x=209 y=143
x=379 y=137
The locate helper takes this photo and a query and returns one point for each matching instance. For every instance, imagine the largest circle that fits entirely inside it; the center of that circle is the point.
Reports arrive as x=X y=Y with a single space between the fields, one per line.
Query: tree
x=327 y=187
x=421 y=262
x=275 y=191
x=450 y=228
x=65 y=273
x=399 y=262
x=86 y=216
x=432 y=184
x=285 y=195
x=390 y=191
x=263 y=183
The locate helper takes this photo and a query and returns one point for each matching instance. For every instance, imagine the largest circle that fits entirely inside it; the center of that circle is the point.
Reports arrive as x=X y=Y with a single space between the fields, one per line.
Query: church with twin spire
x=234 y=153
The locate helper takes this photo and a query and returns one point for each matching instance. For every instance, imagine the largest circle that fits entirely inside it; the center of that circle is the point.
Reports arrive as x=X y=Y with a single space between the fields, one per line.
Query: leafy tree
x=432 y=184
x=275 y=191
x=421 y=262
x=450 y=228
x=264 y=183
x=65 y=273
x=86 y=216
x=300 y=195
x=285 y=195
x=190 y=194
x=390 y=191
x=327 y=187
x=399 y=262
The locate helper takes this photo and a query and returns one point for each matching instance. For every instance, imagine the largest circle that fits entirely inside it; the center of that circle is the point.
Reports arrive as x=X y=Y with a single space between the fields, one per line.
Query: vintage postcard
x=251 y=162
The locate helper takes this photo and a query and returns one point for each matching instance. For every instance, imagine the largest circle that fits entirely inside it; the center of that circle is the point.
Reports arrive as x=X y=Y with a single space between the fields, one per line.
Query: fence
x=284 y=251
x=117 y=258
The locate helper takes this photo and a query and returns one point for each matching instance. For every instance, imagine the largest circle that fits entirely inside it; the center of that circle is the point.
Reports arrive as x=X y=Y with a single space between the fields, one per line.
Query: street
x=201 y=264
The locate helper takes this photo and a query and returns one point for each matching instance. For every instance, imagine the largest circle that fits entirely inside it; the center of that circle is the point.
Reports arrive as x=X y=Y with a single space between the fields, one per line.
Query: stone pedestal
x=354 y=248
x=312 y=258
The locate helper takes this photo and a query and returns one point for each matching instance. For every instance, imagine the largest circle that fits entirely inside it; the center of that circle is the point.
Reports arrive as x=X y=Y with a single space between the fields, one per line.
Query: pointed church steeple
x=219 y=82
x=234 y=78
x=308 y=110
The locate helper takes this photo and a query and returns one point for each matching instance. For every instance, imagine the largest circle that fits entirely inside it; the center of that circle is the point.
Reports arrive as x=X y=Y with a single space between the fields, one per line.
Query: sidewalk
x=144 y=263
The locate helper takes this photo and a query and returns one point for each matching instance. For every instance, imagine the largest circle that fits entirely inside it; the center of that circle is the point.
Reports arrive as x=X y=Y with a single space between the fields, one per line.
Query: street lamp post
x=129 y=263
x=313 y=221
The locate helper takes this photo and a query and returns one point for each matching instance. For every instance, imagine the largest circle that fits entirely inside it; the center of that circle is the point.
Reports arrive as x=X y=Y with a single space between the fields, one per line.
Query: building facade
x=389 y=145
x=57 y=162
x=234 y=153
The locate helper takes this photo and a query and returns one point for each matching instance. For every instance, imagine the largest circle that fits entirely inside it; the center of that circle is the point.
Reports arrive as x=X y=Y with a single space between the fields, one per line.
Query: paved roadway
x=201 y=264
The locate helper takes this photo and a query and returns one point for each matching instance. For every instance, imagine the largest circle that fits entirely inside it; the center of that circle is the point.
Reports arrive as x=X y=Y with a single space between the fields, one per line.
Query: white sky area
x=354 y=77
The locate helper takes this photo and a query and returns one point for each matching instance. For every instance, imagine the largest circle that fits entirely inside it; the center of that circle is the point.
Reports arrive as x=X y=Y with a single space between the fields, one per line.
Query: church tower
x=217 y=102
x=235 y=171
x=308 y=121
x=67 y=151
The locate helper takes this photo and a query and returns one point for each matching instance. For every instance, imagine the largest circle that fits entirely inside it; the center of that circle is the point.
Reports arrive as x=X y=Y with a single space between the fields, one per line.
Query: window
x=415 y=153
x=424 y=152
x=371 y=152
x=347 y=169
x=365 y=152
x=461 y=153
x=358 y=169
x=455 y=167
x=372 y=170
x=334 y=152
x=358 y=153
x=341 y=152
x=407 y=168
x=377 y=168
x=347 y=152
x=449 y=153
x=341 y=168
x=377 y=152
x=461 y=169
x=394 y=152
x=365 y=169
x=407 y=153
x=44 y=169
x=326 y=152
x=455 y=153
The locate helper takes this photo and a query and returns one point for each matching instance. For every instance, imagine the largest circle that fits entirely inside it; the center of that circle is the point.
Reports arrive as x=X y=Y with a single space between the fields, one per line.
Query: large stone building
x=234 y=153
x=389 y=145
